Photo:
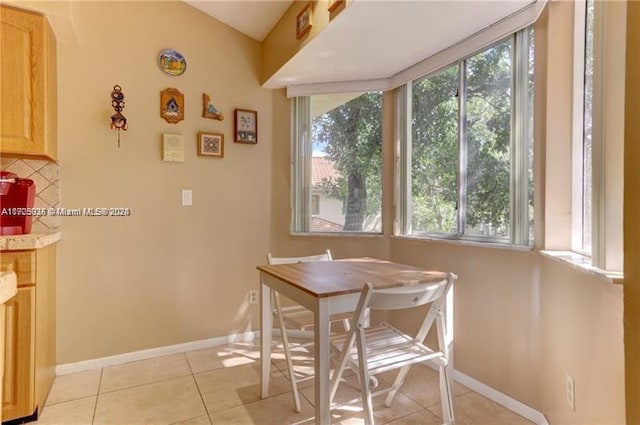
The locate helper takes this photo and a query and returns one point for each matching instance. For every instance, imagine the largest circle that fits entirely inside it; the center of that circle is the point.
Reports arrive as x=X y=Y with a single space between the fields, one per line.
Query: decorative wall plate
x=172 y=62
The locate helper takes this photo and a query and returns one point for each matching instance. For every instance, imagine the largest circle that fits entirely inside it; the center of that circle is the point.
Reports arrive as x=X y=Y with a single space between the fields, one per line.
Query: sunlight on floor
x=221 y=386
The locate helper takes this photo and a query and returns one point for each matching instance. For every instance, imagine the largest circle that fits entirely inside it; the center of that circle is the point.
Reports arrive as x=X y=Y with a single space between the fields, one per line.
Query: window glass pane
x=346 y=167
x=434 y=159
x=530 y=87
x=488 y=123
x=469 y=173
x=588 y=130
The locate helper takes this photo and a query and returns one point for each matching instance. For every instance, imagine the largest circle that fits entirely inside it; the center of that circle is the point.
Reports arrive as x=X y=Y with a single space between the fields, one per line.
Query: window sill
x=583 y=263
x=476 y=244
x=337 y=234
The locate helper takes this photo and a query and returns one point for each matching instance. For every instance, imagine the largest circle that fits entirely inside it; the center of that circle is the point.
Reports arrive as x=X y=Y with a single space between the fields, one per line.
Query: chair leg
x=342 y=363
x=446 y=398
x=364 y=377
x=346 y=325
x=287 y=353
x=397 y=383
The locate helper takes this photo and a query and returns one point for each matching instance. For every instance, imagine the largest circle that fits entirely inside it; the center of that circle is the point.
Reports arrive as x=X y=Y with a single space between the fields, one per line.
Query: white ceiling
x=254 y=18
x=369 y=39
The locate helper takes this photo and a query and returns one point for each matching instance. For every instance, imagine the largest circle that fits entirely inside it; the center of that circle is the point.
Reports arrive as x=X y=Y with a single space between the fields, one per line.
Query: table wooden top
x=331 y=278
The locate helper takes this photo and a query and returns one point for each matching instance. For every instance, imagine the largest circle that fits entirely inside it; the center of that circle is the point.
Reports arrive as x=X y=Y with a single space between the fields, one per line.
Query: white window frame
x=519 y=189
x=577 y=149
x=301 y=148
x=606 y=204
x=315 y=205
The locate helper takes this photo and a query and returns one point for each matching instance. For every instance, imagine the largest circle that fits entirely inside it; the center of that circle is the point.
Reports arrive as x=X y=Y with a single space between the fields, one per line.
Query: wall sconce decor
x=118 y=121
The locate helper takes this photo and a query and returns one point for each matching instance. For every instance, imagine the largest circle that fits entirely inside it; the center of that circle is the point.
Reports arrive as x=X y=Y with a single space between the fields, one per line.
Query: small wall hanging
x=118 y=121
x=208 y=110
x=335 y=6
x=172 y=62
x=172 y=147
x=245 y=126
x=303 y=21
x=211 y=144
x=172 y=105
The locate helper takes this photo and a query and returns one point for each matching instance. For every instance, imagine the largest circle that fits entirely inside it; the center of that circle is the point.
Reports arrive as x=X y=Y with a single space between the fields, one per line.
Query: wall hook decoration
x=118 y=121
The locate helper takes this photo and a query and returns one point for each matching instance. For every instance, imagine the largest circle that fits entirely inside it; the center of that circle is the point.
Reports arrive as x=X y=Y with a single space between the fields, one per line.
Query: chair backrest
x=404 y=297
x=306 y=259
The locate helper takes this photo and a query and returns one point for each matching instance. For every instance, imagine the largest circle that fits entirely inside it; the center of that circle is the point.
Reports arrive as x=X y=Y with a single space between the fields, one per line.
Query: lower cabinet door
x=18 y=380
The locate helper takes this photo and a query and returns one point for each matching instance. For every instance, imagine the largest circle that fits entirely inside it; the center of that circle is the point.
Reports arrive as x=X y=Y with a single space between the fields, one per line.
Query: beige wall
x=552 y=132
x=613 y=91
x=581 y=316
x=522 y=322
x=168 y=274
x=582 y=335
x=632 y=224
x=496 y=312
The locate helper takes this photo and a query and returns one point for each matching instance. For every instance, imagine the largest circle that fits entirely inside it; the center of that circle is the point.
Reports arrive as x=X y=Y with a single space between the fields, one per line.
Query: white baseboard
x=65 y=369
x=500 y=398
x=477 y=386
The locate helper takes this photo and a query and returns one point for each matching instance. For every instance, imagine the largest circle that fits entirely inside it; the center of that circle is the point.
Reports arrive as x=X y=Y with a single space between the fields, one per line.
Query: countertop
x=30 y=241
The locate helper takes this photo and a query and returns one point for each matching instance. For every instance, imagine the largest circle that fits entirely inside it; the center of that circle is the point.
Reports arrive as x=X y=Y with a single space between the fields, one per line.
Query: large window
x=337 y=163
x=466 y=150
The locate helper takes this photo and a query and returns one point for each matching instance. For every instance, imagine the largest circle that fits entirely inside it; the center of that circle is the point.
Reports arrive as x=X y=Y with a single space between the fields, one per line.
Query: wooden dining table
x=332 y=287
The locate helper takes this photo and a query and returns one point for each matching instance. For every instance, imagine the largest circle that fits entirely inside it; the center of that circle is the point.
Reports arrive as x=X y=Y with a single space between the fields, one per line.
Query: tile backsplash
x=46 y=175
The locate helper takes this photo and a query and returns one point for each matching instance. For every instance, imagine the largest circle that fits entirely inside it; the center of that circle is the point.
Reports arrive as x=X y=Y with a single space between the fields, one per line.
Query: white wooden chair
x=382 y=347
x=298 y=318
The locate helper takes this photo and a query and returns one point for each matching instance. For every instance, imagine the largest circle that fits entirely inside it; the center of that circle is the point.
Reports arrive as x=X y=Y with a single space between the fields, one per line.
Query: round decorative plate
x=172 y=62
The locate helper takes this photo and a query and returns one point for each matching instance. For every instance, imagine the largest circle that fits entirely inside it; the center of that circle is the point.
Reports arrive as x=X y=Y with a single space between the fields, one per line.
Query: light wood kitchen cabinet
x=28 y=85
x=30 y=332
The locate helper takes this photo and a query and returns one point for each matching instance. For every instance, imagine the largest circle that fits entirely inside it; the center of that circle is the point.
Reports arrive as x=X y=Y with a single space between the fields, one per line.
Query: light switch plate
x=187 y=197
x=172 y=147
x=571 y=392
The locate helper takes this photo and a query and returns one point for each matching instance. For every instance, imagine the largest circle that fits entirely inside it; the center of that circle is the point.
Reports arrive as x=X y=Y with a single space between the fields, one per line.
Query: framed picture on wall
x=245 y=126
x=303 y=21
x=211 y=144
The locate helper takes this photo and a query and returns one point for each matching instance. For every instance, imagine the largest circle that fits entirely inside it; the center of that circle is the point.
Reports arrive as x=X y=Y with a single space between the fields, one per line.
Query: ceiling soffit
x=375 y=42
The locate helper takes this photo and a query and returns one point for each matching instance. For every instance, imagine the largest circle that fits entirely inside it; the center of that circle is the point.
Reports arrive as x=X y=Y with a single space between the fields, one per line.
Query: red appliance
x=16 y=202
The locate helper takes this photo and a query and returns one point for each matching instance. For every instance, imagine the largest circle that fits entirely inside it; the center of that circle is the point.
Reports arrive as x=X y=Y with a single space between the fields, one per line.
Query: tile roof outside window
x=322 y=168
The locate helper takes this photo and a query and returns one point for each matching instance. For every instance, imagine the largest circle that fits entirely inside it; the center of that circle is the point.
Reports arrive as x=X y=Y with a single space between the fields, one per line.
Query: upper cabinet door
x=28 y=85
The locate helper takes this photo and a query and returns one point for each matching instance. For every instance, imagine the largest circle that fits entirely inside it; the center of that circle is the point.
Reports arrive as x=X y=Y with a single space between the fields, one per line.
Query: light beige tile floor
x=221 y=386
